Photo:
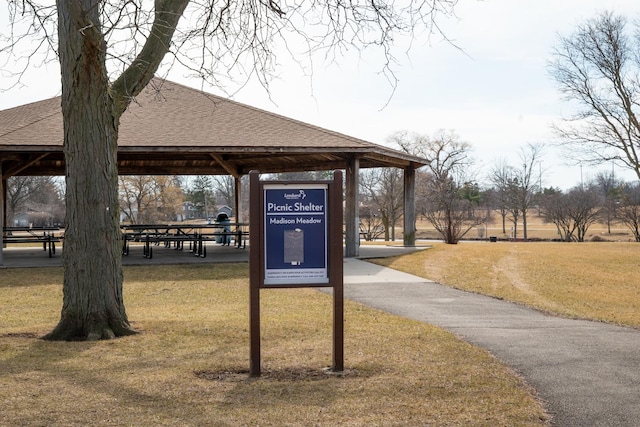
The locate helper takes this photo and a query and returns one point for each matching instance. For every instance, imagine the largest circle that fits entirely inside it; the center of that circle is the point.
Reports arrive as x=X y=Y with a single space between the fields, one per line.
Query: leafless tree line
x=34 y=201
x=453 y=205
x=39 y=200
x=453 y=200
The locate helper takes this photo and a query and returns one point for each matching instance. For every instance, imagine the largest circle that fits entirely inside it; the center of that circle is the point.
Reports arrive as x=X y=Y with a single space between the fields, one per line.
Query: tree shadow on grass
x=72 y=380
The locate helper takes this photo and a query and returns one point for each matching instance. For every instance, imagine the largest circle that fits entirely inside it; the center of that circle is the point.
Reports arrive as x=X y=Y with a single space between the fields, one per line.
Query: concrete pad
x=21 y=257
x=357 y=271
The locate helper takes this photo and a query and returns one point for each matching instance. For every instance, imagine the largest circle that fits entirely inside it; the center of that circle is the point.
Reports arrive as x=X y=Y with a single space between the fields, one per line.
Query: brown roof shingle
x=173 y=129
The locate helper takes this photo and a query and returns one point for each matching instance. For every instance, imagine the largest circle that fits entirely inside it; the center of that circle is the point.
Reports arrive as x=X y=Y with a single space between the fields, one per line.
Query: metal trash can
x=223 y=219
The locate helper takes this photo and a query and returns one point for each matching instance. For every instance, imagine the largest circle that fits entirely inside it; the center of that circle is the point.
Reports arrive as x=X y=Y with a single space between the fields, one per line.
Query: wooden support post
x=3 y=198
x=237 y=188
x=255 y=254
x=336 y=272
x=352 y=219
x=409 y=234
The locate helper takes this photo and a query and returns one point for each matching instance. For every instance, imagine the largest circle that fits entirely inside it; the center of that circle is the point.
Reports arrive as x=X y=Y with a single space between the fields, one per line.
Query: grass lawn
x=599 y=281
x=189 y=365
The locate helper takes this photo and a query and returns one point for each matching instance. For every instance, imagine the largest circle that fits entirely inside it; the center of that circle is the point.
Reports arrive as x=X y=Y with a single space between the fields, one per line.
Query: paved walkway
x=588 y=373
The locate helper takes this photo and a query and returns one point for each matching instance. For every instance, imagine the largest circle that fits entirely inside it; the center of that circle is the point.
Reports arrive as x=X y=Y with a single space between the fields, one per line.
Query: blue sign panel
x=295 y=234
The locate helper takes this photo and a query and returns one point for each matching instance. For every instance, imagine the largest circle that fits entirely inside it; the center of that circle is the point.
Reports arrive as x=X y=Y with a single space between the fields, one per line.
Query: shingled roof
x=173 y=129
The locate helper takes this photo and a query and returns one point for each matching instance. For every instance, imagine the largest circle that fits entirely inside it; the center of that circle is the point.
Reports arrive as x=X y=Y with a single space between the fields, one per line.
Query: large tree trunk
x=93 y=306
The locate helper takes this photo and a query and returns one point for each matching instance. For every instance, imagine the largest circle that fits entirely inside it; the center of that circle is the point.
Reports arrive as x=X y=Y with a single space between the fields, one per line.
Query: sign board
x=295 y=234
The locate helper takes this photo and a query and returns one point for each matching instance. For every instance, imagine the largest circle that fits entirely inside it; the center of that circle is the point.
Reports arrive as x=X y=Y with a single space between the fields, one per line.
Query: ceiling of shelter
x=171 y=129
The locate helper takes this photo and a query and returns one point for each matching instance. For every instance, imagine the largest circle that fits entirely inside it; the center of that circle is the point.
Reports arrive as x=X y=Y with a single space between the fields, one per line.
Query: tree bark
x=93 y=306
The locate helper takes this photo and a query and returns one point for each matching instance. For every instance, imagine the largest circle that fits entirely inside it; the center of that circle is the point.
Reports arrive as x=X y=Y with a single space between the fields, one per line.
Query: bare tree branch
x=597 y=68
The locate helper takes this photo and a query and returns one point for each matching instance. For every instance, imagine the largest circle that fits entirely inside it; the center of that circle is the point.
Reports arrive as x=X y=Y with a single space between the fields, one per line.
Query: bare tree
x=598 y=68
x=37 y=198
x=382 y=188
x=136 y=194
x=513 y=206
x=573 y=212
x=449 y=213
x=421 y=191
x=556 y=209
x=448 y=174
x=585 y=204
x=629 y=210
x=371 y=226
x=445 y=152
x=46 y=205
x=515 y=187
x=110 y=50
x=500 y=176
x=19 y=190
x=609 y=189
x=523 y=185
x=225 y=188
x=40 y=198
x=147 y=199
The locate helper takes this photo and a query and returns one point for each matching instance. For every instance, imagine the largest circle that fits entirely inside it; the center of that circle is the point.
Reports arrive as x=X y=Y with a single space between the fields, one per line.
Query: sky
x=491 y=85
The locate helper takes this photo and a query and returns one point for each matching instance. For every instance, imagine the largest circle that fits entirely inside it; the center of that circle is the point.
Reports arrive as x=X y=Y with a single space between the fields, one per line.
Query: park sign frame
x=294 y=213
x=296 y=241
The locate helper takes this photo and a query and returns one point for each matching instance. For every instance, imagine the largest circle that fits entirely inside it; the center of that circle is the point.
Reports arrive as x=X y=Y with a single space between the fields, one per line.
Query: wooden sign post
x=296 y=241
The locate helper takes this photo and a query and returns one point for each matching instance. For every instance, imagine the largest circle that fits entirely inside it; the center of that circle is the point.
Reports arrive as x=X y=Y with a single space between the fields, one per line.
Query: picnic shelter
x=172 y=129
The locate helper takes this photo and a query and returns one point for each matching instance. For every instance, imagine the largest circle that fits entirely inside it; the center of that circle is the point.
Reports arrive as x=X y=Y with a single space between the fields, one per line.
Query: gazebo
x=171 y=129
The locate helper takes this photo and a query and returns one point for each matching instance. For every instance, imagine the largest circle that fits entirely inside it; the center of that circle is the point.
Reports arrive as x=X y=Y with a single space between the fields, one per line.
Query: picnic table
x=176 y=235
x=40 y=235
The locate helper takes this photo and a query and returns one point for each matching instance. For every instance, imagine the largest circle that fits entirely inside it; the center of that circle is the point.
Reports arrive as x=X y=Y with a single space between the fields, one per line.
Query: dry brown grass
x=599 y=281
x=189 y=364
